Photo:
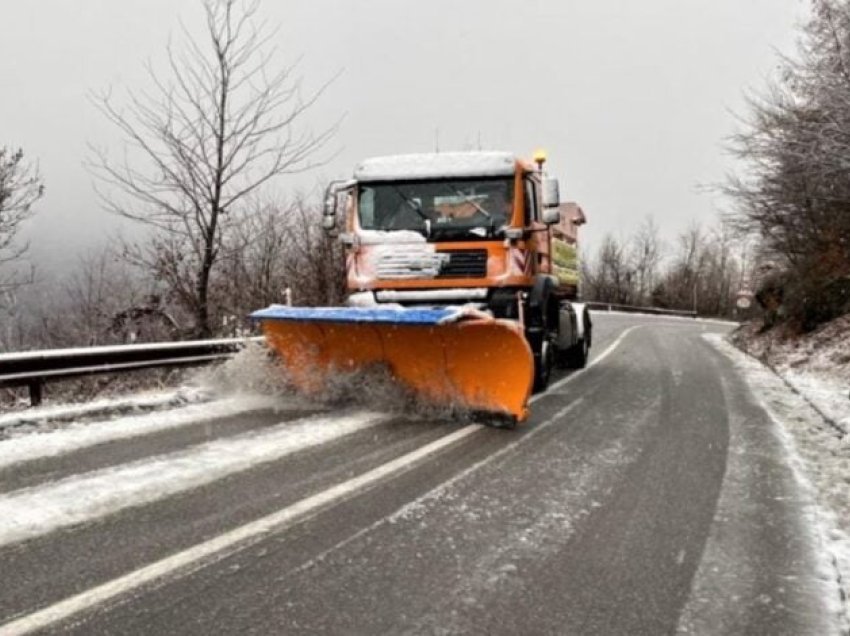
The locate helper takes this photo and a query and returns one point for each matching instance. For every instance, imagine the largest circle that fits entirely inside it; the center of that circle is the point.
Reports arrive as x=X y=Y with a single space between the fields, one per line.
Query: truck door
x=539 y=241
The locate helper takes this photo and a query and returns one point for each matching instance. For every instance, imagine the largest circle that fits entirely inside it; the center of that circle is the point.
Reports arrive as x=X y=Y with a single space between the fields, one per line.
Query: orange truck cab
x=481 y=229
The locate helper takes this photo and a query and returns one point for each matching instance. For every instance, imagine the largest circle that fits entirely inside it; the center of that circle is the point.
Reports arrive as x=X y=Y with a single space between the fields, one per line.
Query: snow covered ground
x=247 y=376
x=818 y=451
x=20 y=422
x=817 y=365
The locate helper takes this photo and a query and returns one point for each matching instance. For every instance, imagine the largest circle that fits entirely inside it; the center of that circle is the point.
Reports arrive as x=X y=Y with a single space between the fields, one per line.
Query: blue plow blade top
x=409 y=316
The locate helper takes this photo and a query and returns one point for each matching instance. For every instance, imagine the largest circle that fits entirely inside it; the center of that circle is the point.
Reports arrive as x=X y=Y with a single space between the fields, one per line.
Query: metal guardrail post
x=36 y=386
x=606 y=306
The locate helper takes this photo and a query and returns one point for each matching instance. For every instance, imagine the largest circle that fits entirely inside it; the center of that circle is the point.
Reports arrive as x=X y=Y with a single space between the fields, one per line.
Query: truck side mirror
x=551 y=194
x=329 y=210
x=331 y=205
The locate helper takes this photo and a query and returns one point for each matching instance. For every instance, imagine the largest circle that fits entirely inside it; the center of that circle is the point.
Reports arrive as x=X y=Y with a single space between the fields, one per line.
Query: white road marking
x=222 y=545
x=670 y=319
x=218 y=546
x=35 y=511
x=438 y=490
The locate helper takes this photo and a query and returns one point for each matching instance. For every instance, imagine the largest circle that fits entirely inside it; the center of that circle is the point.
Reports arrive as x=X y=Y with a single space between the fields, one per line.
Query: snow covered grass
x=819 y=453
x=248 y=381
x=35 y=511
x=20 y=422
x=85 y=389
x=817 y=365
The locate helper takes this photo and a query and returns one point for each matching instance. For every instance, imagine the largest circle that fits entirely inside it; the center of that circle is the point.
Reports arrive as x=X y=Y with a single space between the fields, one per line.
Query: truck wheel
x=562 y=358
x=543 y=367
x=576 y=356
x=542 y=317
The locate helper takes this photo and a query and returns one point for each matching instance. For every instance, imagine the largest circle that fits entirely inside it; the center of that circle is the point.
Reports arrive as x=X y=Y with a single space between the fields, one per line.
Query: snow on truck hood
x=436 y=165
x=384 y=237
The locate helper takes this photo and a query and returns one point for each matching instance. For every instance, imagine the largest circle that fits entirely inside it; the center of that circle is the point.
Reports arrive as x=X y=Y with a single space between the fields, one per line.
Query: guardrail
x=34 y=368
x=634 y=309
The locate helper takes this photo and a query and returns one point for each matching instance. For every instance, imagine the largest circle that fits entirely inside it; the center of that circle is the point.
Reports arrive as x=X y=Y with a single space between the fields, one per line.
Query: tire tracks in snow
x=36 y=511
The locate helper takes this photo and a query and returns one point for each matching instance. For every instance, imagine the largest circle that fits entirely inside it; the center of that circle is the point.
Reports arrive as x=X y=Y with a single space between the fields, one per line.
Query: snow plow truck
x=462 y=280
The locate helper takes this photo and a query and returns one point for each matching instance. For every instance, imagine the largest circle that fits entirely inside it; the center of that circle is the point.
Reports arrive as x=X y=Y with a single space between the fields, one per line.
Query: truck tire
x=563 y=358
x=576 y=356
x=543 y=366
x=541 y=317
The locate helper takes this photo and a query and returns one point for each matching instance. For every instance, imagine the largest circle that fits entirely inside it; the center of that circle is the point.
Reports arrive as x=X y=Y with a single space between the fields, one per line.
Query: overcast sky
x=632 y=99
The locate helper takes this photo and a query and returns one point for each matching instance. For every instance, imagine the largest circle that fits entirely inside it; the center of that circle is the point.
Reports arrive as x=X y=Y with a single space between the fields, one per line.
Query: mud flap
x=445 y=355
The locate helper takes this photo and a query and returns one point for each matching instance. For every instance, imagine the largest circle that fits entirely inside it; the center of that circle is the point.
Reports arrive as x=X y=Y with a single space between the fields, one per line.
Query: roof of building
x=572 y=212
x=571 y=217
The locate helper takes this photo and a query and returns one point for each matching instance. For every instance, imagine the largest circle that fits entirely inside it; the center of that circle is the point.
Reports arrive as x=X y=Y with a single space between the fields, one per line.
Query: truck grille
x=464 y=264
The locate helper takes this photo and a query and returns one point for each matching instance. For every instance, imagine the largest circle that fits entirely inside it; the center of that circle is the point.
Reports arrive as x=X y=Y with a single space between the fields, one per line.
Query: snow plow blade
x=448 y=356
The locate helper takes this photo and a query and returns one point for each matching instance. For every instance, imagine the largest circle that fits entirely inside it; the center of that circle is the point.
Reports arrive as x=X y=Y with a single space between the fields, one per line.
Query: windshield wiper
x=416 y=208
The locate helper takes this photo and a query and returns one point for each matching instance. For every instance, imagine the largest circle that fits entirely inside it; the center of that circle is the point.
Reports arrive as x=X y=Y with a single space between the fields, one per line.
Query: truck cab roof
x=436 y=165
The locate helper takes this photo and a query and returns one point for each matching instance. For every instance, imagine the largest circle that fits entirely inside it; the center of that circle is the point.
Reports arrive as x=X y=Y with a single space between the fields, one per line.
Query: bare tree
x=104 y=302
x=201 y=144
x=20 y=187
x=280 y=247
x=702 y=274
x=646 y=253
x=608 y=276
x=685 y=274
x=795 y=192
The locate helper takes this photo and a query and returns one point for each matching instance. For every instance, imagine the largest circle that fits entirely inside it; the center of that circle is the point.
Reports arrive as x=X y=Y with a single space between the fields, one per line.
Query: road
x=646 y=495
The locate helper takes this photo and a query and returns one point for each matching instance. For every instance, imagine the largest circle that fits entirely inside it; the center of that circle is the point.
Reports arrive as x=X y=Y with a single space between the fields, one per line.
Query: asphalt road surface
x=646 y=495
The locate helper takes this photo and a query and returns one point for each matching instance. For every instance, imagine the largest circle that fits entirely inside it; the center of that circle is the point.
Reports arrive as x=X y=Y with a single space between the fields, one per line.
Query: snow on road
x=41 y=509
x=819 y=455
x=85 y=434
x=24 y=420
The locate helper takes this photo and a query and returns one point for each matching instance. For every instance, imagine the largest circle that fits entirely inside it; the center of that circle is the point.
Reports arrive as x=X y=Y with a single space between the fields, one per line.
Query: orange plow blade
x=446 y=356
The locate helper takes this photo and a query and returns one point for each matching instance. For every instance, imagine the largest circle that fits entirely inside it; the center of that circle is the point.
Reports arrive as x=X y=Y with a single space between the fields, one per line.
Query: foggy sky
x=632 y=99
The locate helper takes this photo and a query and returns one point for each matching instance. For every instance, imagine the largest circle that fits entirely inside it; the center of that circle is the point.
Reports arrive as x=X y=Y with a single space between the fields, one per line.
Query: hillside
x=816 y=364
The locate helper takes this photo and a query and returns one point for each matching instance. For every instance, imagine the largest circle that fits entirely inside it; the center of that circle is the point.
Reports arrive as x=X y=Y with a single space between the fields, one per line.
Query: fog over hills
x=632 y=100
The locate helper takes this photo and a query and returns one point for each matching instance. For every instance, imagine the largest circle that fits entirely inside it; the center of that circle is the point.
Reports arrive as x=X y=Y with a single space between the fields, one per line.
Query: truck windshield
x=462 y=209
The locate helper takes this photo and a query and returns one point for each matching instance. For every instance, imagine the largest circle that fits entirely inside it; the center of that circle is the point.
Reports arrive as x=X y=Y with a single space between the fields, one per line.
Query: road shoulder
x=774 y=537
